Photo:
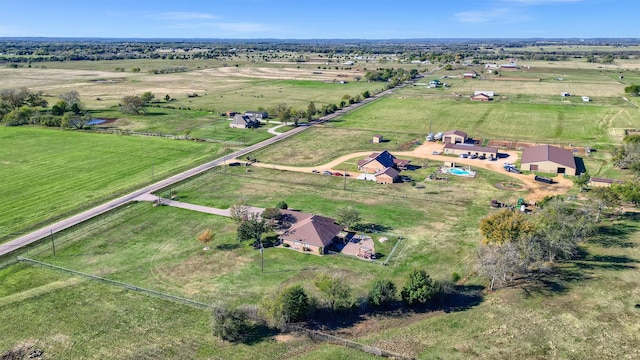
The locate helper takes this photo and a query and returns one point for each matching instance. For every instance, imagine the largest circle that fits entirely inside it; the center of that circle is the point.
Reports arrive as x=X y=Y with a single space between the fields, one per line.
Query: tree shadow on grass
x=257 y=333
x=615 y=235
x=458 y=298
x=372 y=228
x=228 y=247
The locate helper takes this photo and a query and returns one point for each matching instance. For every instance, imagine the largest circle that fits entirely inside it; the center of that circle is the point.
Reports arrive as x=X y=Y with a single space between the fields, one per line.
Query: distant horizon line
x=442 y=39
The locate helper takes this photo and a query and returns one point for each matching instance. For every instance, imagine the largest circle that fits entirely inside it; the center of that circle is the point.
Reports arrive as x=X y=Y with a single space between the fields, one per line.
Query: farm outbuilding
x=377 y=139
x=548 y=159
x=481 y=97
x=602 y=182
x=454 y=137
x=257 y=115
x=471 y=149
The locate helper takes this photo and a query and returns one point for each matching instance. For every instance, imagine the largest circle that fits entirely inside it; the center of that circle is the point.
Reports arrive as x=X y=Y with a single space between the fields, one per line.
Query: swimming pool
x=459 y=172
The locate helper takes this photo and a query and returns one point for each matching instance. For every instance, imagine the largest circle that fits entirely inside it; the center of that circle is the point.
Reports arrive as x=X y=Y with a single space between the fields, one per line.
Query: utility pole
x=53 y=244
x=344 y=187
x=262 y=258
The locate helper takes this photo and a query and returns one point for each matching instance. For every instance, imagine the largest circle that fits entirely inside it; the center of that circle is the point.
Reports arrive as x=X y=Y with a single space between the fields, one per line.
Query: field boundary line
x=125 y=286
x=317 y=335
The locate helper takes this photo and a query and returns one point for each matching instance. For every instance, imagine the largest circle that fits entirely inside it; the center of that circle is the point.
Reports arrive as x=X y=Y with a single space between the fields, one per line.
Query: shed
x=481 y=97
x=602 y=182
x=548 y=159
x=377 y=139
x=454 y=137
x=586 y=99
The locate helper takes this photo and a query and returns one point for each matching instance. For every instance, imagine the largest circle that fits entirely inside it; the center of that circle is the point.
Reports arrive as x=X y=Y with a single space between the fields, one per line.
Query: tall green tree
x=632 y=90
x=348 y=216
x=290 y=305
x=252 y=229
x=561 y=228
x=311 y=110
x=505 y=226
x=334 y=290
x=419 y=288
x=382 y=293
x=132 y=104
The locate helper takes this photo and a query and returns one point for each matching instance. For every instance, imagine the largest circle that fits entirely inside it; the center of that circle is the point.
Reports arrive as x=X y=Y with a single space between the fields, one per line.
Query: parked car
x=314 y=171
x=234 y=164
x=327 y=172
x=482 y=157
x=474 y=156
x=337 y=174
x=464 y=156
x=435 y=152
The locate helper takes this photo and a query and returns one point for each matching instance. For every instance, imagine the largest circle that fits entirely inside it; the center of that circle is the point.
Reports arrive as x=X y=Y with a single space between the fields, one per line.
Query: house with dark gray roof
x=243 y=122
x=380 y=161
x=548 y=159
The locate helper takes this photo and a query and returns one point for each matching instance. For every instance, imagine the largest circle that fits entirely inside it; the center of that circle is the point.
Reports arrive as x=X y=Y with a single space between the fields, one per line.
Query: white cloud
x=502 y=16
x=182 y=16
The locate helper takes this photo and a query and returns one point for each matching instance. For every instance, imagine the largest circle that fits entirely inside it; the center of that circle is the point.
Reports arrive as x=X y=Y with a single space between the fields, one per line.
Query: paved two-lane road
x=101 y=209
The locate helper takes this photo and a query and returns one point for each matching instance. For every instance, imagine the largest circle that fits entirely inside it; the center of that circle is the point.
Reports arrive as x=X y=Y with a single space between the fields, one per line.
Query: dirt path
x=536 y=190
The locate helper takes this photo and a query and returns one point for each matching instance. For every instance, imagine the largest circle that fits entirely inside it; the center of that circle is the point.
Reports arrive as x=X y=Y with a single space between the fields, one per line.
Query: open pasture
x=517 y=118
x=47 y=173
x=155 y=247
x=220 y=88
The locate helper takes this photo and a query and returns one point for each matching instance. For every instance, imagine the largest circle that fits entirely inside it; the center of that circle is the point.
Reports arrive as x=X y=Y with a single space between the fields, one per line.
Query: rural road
x=101 y=209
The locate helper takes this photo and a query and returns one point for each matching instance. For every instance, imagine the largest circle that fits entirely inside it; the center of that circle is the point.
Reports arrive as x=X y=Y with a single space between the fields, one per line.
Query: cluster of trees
x=391 y=75
x=516 y=244
x=22 y=106
x=295 y=304
x=632 y=90
x=136 y=104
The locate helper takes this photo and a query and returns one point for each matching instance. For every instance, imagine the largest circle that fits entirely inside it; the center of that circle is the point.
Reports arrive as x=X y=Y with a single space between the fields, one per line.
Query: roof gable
x=456 y=132
x=314 y=230
x=548 y=153
x=384 y=158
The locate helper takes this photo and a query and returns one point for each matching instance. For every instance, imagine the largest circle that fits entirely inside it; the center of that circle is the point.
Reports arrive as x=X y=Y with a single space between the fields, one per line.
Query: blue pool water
x=460 y=172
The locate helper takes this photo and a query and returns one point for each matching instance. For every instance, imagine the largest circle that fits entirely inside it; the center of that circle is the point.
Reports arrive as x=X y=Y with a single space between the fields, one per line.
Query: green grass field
x=586 y=124
x=46 y=173
x=562 y=315
x=583 y=309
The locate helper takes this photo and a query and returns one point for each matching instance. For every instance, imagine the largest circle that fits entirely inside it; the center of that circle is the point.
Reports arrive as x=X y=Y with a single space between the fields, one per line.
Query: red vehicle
x=337 y=174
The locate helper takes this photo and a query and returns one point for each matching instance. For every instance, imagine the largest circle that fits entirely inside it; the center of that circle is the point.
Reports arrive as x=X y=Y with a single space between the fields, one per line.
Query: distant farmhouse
x=257 y=115
x=384 y=167
x=548 y=159
x=470 y=74
x=243 y=122
x=309 y=232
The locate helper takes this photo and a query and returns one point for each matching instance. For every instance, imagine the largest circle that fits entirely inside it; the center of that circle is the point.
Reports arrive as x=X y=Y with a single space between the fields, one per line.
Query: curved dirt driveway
x=537 y=190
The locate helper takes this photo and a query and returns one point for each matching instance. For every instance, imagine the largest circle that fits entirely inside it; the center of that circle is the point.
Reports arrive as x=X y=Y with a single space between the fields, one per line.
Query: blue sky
x=325 y=19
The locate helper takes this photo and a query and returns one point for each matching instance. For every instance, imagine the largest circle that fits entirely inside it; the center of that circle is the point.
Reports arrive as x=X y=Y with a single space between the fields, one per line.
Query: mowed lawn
x=47 y=173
